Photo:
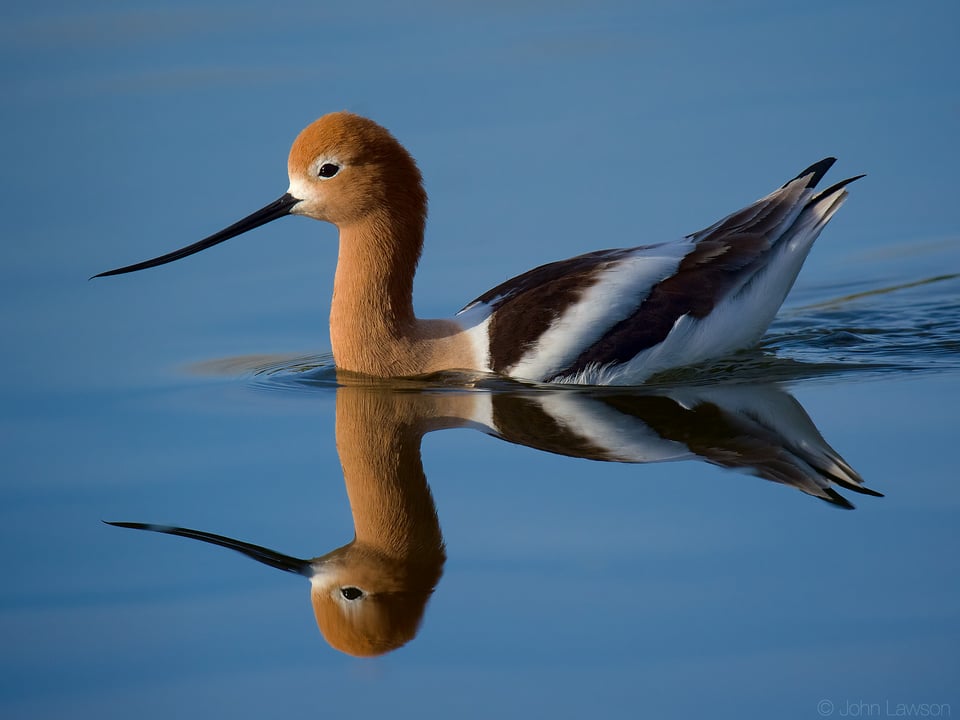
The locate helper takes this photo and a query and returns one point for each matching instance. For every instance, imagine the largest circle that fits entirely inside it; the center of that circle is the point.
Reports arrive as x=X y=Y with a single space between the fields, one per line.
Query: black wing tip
x=856 y=485
x=835 y=188
x=837 y=500
x=816 y=172
x=864 y=490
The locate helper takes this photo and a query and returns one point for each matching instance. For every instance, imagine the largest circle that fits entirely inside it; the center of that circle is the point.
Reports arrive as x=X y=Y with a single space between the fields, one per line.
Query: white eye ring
x=324 y=167
x=327 y=170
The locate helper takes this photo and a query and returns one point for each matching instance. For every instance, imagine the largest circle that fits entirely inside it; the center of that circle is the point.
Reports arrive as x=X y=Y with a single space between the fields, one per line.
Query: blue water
x=201 y=394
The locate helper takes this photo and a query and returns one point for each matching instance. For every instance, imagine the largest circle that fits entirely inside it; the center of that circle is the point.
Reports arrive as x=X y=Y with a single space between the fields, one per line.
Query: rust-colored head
x=346 y=169
x=368 y=603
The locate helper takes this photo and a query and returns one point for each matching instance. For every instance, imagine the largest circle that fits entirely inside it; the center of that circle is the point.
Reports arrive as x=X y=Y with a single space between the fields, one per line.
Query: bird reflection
x=757 y=429
x=369 y=596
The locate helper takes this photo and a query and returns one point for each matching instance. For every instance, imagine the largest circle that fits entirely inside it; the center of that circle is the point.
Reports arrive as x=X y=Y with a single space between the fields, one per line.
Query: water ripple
x=901 y=328
x=892 y=329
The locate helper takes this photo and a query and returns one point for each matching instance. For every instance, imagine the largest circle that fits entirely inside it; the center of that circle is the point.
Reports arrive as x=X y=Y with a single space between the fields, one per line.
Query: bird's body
x=607 y=317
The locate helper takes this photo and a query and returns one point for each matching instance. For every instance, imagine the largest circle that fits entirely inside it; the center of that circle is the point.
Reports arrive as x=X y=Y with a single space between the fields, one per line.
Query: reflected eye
x=351 y=593
x=328 y=170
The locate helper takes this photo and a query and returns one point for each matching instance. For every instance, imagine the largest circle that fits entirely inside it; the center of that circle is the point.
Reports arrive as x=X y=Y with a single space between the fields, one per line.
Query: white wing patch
x=624 y=438
x=475 y=321
x=616 y=293
x=736 y=322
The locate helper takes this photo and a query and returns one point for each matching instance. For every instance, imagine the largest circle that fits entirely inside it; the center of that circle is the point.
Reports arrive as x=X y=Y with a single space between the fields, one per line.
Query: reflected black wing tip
x=856 y=486
x=837 y=500
x=863 y=490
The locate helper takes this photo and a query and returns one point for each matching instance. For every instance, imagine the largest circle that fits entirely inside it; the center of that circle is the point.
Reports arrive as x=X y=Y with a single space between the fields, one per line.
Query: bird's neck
x=378 y=440
x=372 y=307
x=373 y=329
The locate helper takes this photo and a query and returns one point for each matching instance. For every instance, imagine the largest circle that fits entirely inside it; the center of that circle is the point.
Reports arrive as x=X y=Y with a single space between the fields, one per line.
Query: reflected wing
x=760 y=430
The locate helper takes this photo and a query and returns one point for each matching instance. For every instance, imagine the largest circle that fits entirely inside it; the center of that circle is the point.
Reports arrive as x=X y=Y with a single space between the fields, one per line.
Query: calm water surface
x=654 y=552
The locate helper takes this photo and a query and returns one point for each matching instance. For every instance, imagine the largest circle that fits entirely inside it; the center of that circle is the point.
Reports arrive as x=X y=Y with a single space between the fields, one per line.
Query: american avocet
x=369 y=596
x=607 y=317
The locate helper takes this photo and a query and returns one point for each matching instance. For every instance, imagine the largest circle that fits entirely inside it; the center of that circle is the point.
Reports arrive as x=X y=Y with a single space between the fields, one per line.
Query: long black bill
x=258 y=553
x=277 y=209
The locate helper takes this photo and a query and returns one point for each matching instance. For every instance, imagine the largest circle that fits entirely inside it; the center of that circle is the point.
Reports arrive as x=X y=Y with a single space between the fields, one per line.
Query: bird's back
x=620 y=316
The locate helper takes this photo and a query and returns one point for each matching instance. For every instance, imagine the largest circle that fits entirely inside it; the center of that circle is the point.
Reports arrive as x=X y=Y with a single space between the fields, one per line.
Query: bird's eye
x=328 y=170
x=351 y=593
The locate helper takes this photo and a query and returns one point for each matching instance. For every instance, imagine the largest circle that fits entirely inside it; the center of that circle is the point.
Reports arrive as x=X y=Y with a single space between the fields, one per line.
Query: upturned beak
x=277 y=209
x=264 y=555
